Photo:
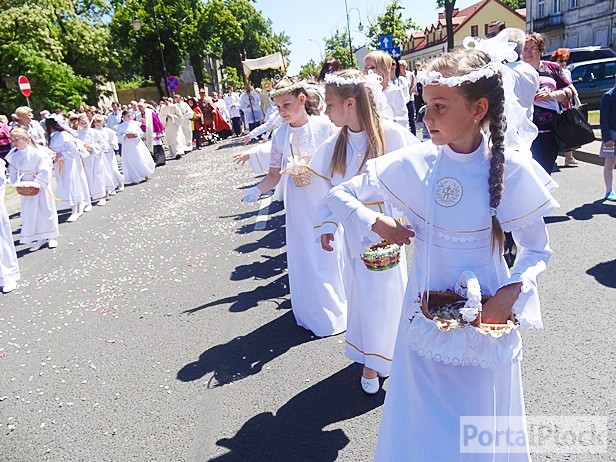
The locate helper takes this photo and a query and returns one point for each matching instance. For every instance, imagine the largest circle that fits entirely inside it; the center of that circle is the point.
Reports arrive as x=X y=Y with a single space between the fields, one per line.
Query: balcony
x=548 y=23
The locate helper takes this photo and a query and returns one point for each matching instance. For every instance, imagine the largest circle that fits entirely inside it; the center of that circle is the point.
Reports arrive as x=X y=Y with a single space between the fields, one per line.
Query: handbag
x=571 y=127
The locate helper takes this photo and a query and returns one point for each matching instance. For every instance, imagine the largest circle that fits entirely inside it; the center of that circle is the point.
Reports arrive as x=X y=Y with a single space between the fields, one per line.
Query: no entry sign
x=173 y=83
x=24 y=86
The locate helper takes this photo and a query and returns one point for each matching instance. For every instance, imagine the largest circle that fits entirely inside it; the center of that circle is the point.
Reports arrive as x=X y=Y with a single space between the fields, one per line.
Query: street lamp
x=360 y=27
x=137 y=26
x=320 y=48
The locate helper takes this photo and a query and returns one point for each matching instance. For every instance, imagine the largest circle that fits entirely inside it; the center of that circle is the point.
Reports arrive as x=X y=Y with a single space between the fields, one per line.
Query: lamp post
x=137 y=25
x=360 y=27
x=320 y=48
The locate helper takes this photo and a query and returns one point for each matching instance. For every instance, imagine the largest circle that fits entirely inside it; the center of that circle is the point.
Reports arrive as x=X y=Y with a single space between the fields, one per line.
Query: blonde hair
x=461 y=62
x=383 y=63
x=98 y=118
x=368 y=119
x=21 y=131
x=311 y=104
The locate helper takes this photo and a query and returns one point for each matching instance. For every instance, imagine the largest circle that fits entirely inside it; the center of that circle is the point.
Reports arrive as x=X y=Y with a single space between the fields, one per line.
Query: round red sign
x=24 y=86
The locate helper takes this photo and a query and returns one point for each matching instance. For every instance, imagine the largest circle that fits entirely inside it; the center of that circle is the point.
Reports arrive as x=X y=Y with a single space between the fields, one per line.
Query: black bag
x=571 y=127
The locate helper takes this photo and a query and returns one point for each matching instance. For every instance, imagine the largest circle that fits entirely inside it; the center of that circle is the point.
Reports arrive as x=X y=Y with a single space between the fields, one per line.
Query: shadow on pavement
x=246 y=355
x=273 y=292
x=296 y=432
x=604 y=273
x=271 y=266
x=555 y=219
x=598 y=207
x=275 y=239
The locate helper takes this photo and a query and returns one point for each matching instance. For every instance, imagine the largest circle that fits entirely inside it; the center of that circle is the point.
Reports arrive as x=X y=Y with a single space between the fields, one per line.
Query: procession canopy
x=273 y=61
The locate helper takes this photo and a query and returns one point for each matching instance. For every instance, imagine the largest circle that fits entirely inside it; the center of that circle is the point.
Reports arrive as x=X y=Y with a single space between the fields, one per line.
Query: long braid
x=497 y=161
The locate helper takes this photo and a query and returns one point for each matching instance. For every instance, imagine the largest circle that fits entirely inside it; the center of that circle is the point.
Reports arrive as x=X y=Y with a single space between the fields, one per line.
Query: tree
x=337 y=46
x=309 y=70
x=515 y=4
x=449 y=6
x=231 y=78
x=391 y=23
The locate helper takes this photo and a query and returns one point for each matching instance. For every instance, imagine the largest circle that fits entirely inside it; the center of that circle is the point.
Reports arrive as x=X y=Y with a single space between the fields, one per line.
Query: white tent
x=273 y=61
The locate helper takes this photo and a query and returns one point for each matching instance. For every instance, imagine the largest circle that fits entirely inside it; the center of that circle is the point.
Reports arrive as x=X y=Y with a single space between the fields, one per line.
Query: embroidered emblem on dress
x=449 y=192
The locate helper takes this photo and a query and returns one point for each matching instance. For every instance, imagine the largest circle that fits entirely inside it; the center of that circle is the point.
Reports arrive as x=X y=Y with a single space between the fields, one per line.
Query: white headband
x=289 y=89
x=339 y=80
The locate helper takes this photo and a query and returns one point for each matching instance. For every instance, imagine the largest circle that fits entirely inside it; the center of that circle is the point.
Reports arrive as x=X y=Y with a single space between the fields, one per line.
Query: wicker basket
x=441 y=298
x=303 y=178
x=27 y=188
x=384 y=262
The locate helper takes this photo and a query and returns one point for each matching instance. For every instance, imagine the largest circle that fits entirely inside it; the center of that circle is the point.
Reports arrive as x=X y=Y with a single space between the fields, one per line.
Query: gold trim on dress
x=367 y=354
x=528 y=214
x=332 y=222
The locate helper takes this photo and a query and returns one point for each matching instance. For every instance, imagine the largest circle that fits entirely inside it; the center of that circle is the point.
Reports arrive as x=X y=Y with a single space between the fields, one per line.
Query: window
x=587 y=73
x=556 y=6
x=541 y=8
x=573 y=4
x=485 y=29
x=610 y=70
x=474 y=31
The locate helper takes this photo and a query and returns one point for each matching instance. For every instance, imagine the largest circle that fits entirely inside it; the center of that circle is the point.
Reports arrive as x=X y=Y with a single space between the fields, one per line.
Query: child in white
x=457 y=191
x=99 y=177
x=98 y=122
x=315 y=277
x=72 y=184
x=9 y=268
x=39 y=218
x=374 y=298
x=137 y=162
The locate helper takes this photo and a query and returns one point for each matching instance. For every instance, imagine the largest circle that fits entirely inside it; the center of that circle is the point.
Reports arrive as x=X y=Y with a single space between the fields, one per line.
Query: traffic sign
x=394 y=52
x=385 y=42
x=24 y=86
x=173 y=83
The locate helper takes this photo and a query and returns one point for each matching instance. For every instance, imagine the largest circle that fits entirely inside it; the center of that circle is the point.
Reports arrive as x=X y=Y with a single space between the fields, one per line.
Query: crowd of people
x=358 y=185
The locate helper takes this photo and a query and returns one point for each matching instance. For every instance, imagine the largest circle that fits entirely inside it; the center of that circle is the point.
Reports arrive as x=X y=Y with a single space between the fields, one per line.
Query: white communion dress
x=9 y=267
x=110 y=157
x=438 y=377
x=374 y=298
x=98 y=173
x=39 y=217
x=137 y=162
x=72 y=184
x=315 y=277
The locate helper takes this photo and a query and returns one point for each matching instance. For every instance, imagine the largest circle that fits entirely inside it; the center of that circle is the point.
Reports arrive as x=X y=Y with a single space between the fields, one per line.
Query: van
x=592 y=79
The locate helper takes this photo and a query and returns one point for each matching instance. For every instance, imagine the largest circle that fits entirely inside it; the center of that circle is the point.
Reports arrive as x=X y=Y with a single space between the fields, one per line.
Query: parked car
x=593 y=78
x=585 y=54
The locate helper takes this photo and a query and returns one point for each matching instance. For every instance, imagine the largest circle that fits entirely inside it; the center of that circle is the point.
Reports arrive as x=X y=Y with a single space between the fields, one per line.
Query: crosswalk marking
x=263 y=214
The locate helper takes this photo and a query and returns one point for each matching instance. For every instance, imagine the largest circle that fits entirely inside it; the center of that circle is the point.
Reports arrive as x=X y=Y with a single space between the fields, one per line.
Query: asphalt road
x=161 y=330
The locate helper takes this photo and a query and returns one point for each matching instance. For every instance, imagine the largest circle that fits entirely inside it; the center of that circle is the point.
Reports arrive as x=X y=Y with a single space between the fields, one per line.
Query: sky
x=307 y=22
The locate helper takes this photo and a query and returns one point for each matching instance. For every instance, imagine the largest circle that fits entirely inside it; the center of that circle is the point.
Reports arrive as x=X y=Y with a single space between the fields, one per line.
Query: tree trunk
x=197 y=64
x=449 y=6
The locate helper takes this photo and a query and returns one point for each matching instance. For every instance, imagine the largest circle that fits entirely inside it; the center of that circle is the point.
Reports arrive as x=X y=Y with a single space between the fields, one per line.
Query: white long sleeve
x=274 y=121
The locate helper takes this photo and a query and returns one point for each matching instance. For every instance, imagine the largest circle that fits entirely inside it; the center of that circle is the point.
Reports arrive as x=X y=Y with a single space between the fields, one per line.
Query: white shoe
x=383 y=376
x=113 y=193
x=74 y=216
x=52 y=243
x=37 y=245
x=370 y=386
x=102 y=201
x=9 y=287
x=121 y=187
x=87 y=208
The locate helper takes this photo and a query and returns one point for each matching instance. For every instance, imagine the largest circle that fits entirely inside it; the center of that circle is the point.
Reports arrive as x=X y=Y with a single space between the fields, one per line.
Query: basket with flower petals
x=27 y=188
x=297 y=166
x=381 y=256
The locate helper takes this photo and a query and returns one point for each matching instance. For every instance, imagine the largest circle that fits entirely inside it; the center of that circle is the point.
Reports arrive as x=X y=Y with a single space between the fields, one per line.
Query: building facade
x=471 y=21
x=573 y=23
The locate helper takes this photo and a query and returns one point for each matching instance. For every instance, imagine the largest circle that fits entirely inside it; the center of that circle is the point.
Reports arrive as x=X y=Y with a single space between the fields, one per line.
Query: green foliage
x=309 y=70
x=391 y=23
x=231 y=78
x=337 y=46
x=515 y=4
x=138 y=82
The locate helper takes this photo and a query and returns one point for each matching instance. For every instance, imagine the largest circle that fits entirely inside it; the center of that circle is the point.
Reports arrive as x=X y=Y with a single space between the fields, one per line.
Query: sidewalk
x=589 y=153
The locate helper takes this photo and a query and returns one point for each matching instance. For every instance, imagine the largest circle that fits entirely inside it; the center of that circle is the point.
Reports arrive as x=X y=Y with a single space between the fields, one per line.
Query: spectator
x=419 y=102
x=607 y=119
x=197 y=121
x=5 y=137
x=35 y=131
x=554 y=88
x=560 y=57
x=232 y=100
x=494 y=28
x=329 y=66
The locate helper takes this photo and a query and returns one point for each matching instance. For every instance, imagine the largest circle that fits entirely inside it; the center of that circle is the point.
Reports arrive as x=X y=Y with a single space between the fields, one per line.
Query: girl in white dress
x=315 y=277
x=459 y=191
x=39 y=218
x=374 y=298
x=137 y=163
x=99 y=177
x=381 y=63
x=98 y=123
x=72 y=184
x=9 y=268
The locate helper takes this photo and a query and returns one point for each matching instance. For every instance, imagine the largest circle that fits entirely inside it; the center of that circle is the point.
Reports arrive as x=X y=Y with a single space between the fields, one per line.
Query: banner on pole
x=273 y=61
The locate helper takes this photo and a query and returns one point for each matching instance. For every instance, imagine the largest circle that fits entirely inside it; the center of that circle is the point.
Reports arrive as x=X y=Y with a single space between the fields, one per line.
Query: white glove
x=252 y=195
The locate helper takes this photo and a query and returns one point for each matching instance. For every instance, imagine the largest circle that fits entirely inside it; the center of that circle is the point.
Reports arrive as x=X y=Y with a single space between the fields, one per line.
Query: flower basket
x=297 y=166
x=303 y=177
x=381 y=256
x=27 y=188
